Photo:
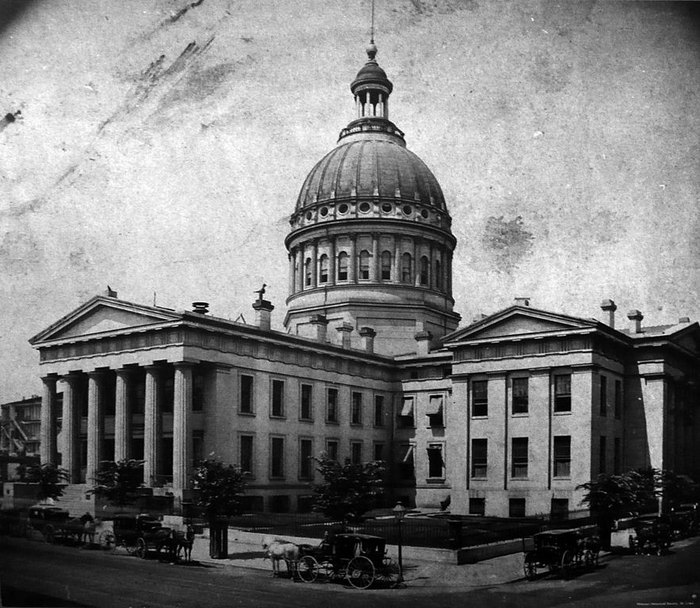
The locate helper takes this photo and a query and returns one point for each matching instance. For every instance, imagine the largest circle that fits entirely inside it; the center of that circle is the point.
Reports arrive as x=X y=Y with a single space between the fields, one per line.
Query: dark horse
x=181 y=542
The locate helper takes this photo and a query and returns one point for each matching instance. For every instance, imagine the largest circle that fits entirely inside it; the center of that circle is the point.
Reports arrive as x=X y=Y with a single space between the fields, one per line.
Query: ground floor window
x=560 y=508
x=516 y=507
x=477 y=506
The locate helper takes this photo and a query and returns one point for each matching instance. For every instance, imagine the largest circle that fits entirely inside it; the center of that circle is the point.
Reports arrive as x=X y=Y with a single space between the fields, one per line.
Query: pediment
x=518 y=321
x=103 y=315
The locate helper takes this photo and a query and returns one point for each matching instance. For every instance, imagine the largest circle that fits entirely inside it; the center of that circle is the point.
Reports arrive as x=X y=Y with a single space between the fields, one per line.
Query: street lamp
x=399 y=512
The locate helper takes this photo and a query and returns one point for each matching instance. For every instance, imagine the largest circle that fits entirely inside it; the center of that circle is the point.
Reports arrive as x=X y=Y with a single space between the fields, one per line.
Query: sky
x=158 y=147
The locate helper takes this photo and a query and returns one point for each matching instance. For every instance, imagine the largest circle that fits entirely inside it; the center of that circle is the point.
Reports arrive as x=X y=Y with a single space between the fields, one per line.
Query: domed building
x=371 y=245
x=503 y=417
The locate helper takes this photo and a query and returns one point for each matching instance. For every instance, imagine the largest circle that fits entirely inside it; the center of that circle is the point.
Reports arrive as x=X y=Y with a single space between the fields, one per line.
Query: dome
x=371 y=167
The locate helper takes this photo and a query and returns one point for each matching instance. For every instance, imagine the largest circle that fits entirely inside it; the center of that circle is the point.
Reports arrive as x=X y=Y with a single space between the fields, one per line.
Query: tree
x=348 y=490
x=217 y=492
x=119 y=482
x=50 y=479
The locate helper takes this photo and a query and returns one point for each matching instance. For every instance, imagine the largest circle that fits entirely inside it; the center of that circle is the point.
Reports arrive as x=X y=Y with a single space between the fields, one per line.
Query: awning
x=434 y=405
x=407 y=409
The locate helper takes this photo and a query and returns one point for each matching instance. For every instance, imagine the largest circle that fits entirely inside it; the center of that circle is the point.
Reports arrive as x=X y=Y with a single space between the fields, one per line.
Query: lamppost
x=399 y=512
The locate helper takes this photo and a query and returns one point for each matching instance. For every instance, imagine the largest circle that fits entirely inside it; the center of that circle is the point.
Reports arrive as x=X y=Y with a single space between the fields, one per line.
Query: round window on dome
x=364 y=207
x=387 y=207
x=343 y=208
x=407 y=209
x=324 y=211
x=309 y=215
x=424 y=213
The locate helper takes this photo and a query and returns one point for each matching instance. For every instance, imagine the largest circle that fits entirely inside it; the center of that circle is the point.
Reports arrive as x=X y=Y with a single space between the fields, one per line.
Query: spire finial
x=372 y=48
x=371 y=37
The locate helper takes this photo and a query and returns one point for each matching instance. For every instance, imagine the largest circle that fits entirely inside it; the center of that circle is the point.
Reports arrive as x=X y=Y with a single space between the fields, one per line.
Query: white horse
x=278 y=549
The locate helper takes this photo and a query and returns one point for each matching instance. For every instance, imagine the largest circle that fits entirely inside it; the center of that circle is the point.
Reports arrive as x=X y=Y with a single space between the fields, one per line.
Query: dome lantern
x=372 y=88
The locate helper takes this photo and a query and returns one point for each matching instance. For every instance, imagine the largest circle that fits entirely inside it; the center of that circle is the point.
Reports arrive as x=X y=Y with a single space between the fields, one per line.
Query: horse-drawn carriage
x=142 y=535
x=560 y=551
x=56 y=524
x=651 y=535
x=358 y=558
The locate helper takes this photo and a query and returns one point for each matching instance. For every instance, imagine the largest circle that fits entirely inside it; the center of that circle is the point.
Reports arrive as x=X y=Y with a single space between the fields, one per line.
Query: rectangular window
x=480 y=398
x=477 y=506
x=356 y=409
x=436 y=463
x=277 y=457
x=356 y=452
x=618 y=399
x=562 y=393
x=332 y=405
x=519 y=457
x=406 y=415
x=246 y=402
x=562 y=456
x=602 y=454
x=306 y=463
x=378 y=451
x=617 y=456
x=278 y=398
x=197 y=392
x=435 y=410
x=246 y=455
x=332 y=449
x=520 y=395
x=559 y=508
x=406 y=464
x=603 y=396
x=516 y=507
x=479 y=457
x=197 y=447
x=305 y=411
x=378 y=410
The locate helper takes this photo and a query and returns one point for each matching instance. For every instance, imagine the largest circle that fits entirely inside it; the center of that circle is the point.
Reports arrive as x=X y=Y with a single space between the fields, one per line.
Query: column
x=396 y=275
x=448 y=269
x=374 y=269
x=314 y=264
x=416 y=263
x=431 y=266
x=300 y=268
x=182 y=436
x=151 y=426
x=47 y=449
x=70 y=459
x=291 y=272
x=95 y=426
x=122 y=416
x=352 y=271
x=331 y=262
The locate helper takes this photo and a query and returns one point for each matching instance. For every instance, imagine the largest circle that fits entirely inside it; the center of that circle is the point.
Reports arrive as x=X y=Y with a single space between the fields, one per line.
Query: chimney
x=684 y=320
x=345 y=330
x=200 y=307
x=522 y=301
x=263 y=312
x=636 y=317
x=609 y=307
x=367 y=334
x=321 y=324
x=423 y=339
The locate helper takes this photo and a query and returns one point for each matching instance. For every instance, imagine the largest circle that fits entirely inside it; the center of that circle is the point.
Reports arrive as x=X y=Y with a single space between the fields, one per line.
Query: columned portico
x=48 y=421
x=182 y=414
x=122 y=416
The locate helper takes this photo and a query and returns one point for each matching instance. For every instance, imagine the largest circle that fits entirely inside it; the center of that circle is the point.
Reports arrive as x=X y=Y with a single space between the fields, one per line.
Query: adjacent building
x=505 y=416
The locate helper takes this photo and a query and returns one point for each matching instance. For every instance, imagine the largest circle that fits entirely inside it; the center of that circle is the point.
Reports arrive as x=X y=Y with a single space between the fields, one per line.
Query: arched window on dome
x=323 y=269
x=438 y=274
x=406 y=268
x=386 y=266
x=342 y=266
x=307 y=272
x=424 y=270
x=364 y=264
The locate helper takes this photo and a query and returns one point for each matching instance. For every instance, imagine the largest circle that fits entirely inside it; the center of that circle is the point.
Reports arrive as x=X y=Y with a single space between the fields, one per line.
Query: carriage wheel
x=141 y=549
x=530 y=568
x=107 y=541
x=360 y=572
x=50 y=534
x=326 y=571
x=565 y=564
x=307 y=569
x=388 y=574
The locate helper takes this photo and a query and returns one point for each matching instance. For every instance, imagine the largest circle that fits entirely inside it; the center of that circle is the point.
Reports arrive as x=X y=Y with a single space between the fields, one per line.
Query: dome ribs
x=341 y=190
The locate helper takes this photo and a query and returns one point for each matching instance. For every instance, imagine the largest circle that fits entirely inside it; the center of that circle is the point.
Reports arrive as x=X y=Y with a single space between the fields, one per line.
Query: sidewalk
x=246 y=553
